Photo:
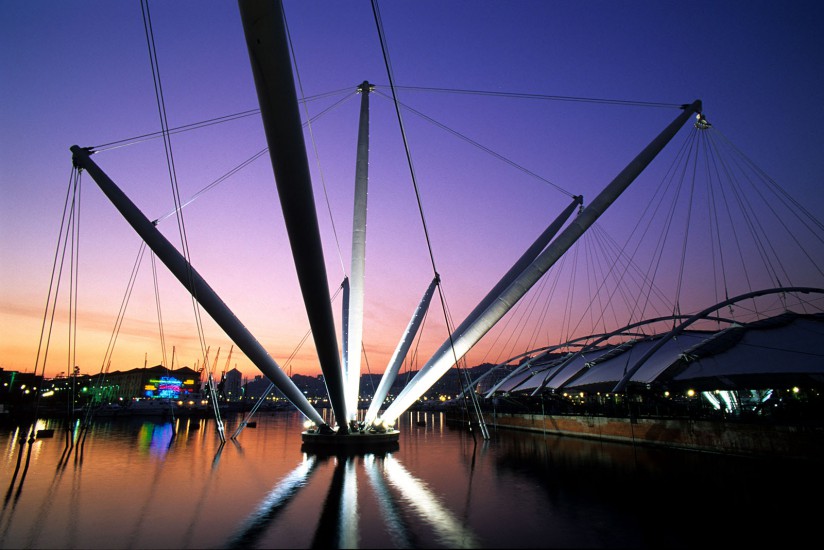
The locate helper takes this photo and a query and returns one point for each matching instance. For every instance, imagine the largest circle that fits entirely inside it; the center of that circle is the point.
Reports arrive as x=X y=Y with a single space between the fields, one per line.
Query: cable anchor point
x=88 y=150
x=580 y=200
x=365 y=87
x=701 y=122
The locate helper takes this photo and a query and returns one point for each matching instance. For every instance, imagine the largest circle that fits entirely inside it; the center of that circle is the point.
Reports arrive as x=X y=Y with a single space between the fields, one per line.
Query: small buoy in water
x=45 y=433
x=251 y=424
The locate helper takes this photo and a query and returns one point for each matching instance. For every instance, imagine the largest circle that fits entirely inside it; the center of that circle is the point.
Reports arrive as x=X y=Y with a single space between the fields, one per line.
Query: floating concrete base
x=355 y=442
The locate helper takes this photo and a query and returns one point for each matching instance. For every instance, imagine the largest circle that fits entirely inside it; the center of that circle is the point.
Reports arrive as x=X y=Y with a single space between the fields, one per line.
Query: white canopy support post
x=357 y=273
x=470 y=332
x=196 y=286
x=266 y=40
x=391 y=372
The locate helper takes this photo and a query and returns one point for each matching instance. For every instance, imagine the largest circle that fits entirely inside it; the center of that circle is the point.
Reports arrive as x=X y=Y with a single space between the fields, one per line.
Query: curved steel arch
x=700 y=315
x=623 y=330
x=541 y=352
x=600 y=337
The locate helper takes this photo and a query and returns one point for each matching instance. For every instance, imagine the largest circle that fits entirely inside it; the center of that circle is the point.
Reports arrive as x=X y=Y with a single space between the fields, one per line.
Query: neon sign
x=167 y=387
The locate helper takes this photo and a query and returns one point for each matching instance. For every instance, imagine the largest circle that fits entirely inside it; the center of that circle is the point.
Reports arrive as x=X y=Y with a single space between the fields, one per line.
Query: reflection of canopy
x=785 y=348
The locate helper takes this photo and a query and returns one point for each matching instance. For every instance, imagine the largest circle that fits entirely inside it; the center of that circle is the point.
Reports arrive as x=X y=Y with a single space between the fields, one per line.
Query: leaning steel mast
x=475 y=327
x=268 y=46
x=394 y=366
x=196 y=285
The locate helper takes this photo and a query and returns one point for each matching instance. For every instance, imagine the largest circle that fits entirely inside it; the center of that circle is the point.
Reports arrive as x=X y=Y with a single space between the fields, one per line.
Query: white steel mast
x=268 y=46
x=391 y=372
x=354 y=330
x=475 y=327
x=196 y=285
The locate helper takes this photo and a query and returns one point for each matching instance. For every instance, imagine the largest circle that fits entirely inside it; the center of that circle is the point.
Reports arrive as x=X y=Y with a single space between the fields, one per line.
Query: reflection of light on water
x=12 y=444
x=349 y=507
x=420 y=499
x=396 y=528
x=287 y=486
x=273 y=503
x=155 y=439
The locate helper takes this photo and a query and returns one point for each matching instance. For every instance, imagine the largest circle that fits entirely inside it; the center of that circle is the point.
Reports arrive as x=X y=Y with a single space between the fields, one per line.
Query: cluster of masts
x=271 y=66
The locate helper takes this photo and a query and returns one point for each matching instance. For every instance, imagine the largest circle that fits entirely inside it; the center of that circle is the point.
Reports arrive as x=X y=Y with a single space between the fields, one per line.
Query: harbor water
x=149 y=483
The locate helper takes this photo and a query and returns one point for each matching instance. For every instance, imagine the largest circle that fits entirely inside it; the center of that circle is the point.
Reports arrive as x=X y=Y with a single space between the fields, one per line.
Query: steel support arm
x=268 y=47
x=196 y=285
x=468 y=334
x=391 y=372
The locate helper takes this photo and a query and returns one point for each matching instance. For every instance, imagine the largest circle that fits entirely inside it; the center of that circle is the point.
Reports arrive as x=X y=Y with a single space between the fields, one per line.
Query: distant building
x=18 y=388
x=255 y=389
x=153 y=382
x=232 y=385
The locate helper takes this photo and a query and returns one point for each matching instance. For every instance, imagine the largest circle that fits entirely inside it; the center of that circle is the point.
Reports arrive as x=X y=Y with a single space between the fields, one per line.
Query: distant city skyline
x=79 y=74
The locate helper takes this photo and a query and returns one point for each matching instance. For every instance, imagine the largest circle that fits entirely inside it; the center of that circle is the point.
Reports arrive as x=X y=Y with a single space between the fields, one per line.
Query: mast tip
x=365 y=86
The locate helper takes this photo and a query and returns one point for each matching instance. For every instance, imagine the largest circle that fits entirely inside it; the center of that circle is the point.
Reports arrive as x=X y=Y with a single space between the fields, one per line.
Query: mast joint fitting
x=88 y=150
x=701 y=122
x=365 y=86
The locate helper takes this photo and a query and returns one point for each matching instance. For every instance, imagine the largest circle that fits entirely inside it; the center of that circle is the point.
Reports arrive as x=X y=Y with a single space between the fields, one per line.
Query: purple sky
x=78 y=73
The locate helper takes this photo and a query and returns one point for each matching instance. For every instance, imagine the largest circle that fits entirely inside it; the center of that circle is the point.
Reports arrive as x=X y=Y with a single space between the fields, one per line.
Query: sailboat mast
x=268 y=48
x=468 y=334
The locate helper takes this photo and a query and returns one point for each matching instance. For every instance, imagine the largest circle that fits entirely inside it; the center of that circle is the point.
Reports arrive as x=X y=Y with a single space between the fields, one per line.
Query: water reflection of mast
x=187 y=536
x=22 y=444
x=71 y=434
x=450 y=532
x=155 y=482
x=396 y=525
x=49 y=500
x=484 y=447
x=338 y=525
x=274 y=503
x=20 y=447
